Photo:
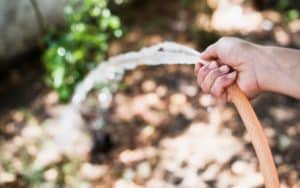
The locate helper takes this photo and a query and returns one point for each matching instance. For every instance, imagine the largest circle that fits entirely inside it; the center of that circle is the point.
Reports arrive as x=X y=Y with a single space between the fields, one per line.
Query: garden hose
x=256 y=132
x=258 y=138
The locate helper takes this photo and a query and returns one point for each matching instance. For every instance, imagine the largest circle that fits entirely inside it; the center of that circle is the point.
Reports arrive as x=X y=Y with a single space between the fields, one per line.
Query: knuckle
x=229 y=43
x=215 y=72
x=210 y=79
x=222 y=79
x=203 y=71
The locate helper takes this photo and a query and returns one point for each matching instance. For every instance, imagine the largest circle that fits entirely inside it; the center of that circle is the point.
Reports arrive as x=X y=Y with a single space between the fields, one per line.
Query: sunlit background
x=160 y=130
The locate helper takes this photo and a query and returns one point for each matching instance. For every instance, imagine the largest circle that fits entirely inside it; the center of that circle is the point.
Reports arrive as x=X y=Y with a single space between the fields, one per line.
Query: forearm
x=282 y=71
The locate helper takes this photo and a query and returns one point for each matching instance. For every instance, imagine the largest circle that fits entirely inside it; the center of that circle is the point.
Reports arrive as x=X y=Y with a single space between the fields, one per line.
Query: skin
x=253 y=67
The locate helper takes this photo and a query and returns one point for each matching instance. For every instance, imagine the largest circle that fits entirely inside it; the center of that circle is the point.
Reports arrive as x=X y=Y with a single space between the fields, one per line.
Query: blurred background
x=160 y=130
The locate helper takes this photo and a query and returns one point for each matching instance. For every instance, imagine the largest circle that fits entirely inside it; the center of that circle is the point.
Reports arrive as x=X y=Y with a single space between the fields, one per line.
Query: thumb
x=210 y=53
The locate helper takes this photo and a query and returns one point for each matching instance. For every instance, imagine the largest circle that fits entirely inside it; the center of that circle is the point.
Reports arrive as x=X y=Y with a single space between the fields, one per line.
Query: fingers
x=214 y=80
x=199 y=65
x=211 y=77
x=221 y=83
x=204 y=70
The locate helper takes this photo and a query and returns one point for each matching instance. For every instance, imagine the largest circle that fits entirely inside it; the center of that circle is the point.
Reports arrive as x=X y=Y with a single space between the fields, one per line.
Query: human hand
x=231 y=60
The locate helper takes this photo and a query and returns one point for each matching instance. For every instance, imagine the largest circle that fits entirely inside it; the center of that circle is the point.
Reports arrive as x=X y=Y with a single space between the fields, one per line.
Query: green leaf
x=58 y=76
x=114 y=22
x=72 y=53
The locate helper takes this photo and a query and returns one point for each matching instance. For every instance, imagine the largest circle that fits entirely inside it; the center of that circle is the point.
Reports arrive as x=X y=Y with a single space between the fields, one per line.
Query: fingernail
x=212 y=65
x=224 y=69
x=231 y=75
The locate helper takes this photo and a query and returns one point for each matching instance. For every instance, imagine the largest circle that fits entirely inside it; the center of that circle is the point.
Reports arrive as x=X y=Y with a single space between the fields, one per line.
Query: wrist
x=280 y=71
x=265 y=67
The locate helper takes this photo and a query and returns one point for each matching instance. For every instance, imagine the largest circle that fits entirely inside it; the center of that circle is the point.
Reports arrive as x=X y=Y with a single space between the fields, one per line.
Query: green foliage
x=281 y=5
x=71 y=54
x=292 y=14
x=289 y=8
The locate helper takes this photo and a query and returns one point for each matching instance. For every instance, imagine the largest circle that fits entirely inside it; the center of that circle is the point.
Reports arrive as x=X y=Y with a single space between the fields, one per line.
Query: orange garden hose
x=257 y=135
x=258 y=138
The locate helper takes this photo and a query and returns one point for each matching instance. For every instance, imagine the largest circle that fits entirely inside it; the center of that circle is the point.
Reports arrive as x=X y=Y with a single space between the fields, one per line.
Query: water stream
x=113 y=69
x=110 y=73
